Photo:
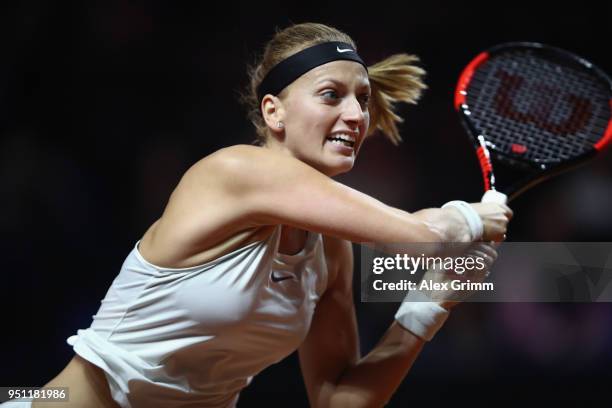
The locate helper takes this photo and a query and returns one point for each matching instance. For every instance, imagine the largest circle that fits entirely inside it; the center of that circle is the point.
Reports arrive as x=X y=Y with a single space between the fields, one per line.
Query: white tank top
x=196 y=336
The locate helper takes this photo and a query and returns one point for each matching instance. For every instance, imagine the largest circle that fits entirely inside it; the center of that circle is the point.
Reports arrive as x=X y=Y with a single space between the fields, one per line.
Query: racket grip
x=494 y=196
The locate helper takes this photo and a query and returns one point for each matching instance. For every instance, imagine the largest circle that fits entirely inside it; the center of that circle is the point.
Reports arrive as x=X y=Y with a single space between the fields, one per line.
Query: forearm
x=373 y=380
x=301 y=197
x=447 y=225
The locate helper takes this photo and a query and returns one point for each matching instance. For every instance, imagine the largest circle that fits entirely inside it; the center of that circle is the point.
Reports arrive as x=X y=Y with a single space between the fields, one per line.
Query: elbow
x=345 y=396
x=354 y=399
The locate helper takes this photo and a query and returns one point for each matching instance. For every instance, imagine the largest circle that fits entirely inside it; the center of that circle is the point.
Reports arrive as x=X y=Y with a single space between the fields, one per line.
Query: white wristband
x=420 y=316
x=471 y=216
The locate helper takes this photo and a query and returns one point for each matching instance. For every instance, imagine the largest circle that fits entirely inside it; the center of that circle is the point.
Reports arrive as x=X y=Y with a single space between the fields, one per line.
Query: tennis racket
x=532 y=111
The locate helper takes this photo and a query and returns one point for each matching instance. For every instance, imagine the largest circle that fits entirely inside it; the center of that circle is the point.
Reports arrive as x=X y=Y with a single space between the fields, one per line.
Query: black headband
x=290 y=69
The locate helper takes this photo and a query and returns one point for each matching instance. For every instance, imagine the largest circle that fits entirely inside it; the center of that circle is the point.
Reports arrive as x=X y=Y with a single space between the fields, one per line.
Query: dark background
x=104 y=104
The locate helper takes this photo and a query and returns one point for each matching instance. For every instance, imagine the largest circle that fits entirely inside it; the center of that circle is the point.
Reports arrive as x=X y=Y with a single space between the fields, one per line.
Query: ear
x=273 y=113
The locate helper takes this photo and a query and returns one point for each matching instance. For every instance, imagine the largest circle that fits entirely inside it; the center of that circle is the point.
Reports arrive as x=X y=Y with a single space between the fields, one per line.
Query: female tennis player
x=252 y=257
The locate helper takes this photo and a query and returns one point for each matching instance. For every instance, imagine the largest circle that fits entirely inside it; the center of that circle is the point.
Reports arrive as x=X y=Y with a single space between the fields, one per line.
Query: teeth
x=344 y=136
x=343 y=139
x=341 y=142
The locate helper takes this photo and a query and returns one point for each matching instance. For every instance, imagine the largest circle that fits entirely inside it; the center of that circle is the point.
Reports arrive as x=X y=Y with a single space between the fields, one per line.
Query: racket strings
x=536 y=108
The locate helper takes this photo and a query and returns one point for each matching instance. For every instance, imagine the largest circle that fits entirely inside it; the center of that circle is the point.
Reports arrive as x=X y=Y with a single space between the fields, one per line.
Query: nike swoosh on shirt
x=343 y=49
x=280 y=278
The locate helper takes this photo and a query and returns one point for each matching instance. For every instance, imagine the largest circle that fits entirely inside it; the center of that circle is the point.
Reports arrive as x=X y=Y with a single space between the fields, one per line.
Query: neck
x=273 y=144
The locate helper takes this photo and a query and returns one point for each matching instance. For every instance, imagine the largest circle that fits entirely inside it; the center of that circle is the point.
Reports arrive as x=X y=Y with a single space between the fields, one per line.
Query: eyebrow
x=340 y=83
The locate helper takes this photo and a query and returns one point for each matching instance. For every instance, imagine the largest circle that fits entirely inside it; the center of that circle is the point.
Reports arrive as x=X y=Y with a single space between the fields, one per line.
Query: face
x=325 y=113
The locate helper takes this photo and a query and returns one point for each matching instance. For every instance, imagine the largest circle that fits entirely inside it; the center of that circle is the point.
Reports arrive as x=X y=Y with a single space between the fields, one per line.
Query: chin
x=331 y=165
x=340 y=168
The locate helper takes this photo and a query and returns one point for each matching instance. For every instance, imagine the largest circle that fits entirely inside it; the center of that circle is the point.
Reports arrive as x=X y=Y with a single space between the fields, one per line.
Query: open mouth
x=344 y=140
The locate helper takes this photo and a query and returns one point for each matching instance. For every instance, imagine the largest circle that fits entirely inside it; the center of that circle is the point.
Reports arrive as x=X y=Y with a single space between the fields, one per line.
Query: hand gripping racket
x=532 y=111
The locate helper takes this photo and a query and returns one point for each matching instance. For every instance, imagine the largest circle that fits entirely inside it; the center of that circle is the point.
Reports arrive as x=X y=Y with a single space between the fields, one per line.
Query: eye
x=330 y=95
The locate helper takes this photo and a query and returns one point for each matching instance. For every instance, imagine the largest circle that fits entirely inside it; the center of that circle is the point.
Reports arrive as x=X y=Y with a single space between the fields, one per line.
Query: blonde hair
x=393 y=80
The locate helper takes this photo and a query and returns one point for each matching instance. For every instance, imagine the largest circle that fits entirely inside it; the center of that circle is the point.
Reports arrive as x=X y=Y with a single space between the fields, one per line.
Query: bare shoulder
x=206 y=208
x=213 y=174
x=237 y=168
x=244 y=158
x=228 y=159
x=228 y=170
x=235 y=154
x=221 y=190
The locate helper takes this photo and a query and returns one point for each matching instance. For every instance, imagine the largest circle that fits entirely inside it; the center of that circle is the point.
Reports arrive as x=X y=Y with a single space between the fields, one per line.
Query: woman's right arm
x=252 y=186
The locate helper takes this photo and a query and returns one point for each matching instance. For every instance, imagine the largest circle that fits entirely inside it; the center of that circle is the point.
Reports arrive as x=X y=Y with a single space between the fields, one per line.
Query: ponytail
x=394 y=79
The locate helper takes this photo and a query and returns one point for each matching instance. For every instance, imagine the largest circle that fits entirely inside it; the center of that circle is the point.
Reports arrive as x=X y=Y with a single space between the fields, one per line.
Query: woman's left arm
x=334 y=373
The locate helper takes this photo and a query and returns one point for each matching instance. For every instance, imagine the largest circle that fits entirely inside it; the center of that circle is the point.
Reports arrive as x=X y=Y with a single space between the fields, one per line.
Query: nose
x=352 y=112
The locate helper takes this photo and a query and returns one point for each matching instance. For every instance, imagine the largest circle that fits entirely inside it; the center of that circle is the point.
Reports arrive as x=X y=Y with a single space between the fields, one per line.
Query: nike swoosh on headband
x=291 y=68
